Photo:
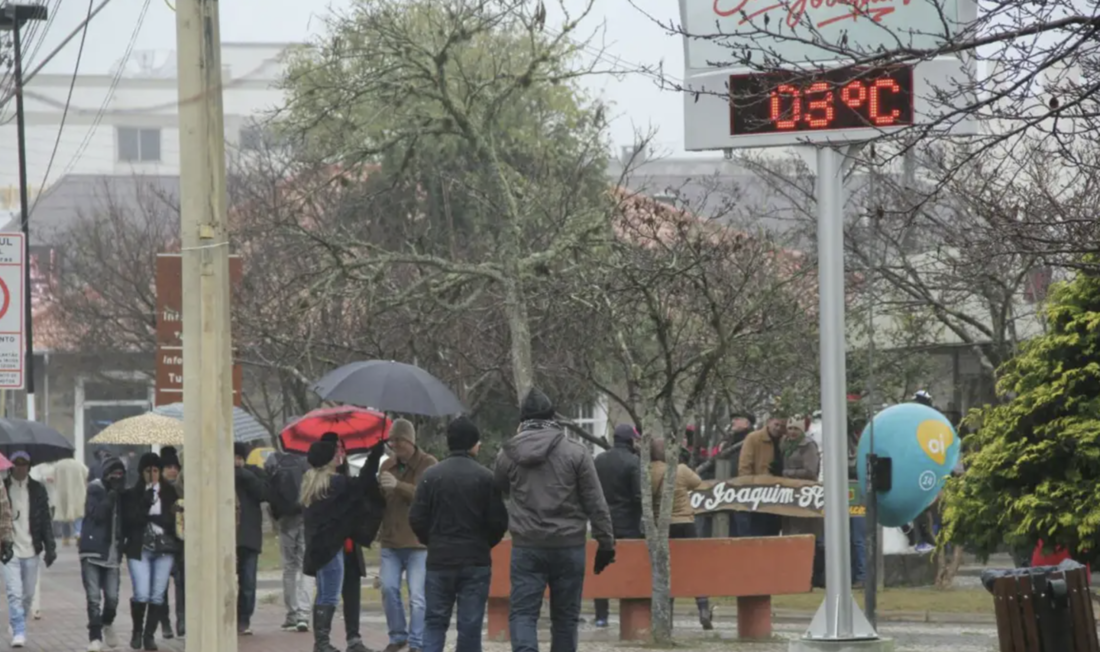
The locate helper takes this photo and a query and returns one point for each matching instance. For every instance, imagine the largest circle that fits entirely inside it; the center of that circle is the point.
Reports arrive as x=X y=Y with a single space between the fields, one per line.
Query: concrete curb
x=920 y=617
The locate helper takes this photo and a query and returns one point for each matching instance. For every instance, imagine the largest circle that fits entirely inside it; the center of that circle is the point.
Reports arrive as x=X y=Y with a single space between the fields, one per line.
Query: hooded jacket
x=620 y=474
x=102 y=525
x=552 y=487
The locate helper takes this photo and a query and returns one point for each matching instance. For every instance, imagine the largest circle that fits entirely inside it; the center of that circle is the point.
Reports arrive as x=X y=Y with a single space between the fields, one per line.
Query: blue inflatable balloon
x=923 y=447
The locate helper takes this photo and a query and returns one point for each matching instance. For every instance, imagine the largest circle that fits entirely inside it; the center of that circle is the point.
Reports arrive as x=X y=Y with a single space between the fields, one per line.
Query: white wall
x=143 y=99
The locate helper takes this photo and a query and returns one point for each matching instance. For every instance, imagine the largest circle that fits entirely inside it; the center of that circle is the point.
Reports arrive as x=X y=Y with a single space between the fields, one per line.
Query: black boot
x=137 y=613
x=165 y=620
x=322 y=628
x=152 y=621
x=706 y=614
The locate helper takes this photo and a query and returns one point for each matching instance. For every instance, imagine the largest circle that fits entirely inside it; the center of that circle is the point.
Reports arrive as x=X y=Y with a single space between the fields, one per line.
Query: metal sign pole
x=839 y=619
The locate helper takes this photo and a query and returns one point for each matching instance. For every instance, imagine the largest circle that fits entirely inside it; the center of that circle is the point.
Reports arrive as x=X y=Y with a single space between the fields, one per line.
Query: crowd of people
x=435 y=523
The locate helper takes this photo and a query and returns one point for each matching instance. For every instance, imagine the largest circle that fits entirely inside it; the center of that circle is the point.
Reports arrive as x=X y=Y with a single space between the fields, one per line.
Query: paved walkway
x=63 y=627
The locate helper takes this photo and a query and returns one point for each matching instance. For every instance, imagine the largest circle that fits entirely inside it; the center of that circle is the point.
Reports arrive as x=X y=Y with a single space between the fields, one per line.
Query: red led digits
x=824 y=105
x=854 y=95
x=844 y=98
x=777 y=108
x=877 y=116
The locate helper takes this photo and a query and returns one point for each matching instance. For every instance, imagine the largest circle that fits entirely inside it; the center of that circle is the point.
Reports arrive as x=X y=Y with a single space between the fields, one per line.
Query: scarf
x=791 y=445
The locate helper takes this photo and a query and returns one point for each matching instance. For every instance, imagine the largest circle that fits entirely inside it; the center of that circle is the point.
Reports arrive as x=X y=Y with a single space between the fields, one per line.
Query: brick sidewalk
x=63 y=627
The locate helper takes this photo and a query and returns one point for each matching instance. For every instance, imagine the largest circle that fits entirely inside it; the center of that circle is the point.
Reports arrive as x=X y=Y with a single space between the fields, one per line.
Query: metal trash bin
x=1043 y=609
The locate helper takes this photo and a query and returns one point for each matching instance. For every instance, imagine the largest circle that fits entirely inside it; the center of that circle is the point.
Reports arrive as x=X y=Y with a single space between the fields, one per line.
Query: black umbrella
x=41 y=442
x=390 y=387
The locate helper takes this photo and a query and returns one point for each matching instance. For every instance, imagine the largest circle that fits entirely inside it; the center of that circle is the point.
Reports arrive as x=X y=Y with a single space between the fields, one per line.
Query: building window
x=254 y=138
x=138 y=145
x=591 y=417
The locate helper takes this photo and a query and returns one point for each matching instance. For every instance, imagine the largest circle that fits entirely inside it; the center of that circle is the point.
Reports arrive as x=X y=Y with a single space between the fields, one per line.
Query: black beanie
x=462 y=434
x=149 y=459
x=170 y=457
x=536 y=406
x=321 y=453
x=331 y=437
x=241 y=449
x=626 y=432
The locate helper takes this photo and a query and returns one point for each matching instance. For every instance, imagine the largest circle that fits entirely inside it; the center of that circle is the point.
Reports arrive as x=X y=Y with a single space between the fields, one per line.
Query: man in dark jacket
x=459 y=514
x=250 y=484
x=169 y=456
x=620 y=477
x=33 y=535
x=285 y=471
x=100 y=552
x=553 y=494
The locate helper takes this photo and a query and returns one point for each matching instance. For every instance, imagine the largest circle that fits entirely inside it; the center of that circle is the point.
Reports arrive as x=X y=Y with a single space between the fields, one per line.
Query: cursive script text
x=796 y=9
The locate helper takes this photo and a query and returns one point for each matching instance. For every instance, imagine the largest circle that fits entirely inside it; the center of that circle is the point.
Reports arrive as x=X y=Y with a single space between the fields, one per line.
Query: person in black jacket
x=250 y=484
x=459 y=514
x=620 y=476
x=100 y=550
x=33 y=534
x=337 y=508
x=149 y=543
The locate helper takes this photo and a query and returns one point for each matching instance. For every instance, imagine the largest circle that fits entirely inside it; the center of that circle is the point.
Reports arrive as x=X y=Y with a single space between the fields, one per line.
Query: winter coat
x=135 y=516
x=251 y=486
x=41 y=521
x=757 y=454
x=352 y=509
x=71 y=484
x=802 y=463
x=553 y=490
x=686 y=482
x=620 y=474
x=396 y=532
x=458 y=513
x=102 y=522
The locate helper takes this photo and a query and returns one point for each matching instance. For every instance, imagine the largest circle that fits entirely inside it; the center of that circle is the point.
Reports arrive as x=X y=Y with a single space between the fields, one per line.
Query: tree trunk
x=519 y=332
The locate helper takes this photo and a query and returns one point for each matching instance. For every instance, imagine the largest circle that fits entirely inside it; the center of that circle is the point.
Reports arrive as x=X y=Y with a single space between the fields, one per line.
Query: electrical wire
x=31 y=45
x=68 y=101
x=110 y=91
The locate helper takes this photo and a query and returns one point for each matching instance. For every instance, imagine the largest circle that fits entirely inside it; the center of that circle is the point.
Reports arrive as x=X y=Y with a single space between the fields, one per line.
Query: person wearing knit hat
x=336 y=508
x=555 y=495
x=171 y=474
x=402 y=552
x=250 y=483
x=459 y=561
x=149 y=535
x=621 y=481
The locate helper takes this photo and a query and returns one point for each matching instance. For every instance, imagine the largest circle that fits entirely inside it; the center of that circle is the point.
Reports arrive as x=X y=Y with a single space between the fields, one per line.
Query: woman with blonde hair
x=682 y=523
x=337 y=508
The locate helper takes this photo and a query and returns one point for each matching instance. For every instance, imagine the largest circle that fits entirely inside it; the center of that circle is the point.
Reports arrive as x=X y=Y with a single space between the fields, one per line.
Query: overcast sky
x=627 y=38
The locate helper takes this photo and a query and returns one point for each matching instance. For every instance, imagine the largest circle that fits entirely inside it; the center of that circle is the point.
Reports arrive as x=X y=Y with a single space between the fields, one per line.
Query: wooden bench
x=752 y=570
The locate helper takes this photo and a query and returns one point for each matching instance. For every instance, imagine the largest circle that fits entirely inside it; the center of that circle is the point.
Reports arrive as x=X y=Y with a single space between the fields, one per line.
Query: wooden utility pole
x=207 y=377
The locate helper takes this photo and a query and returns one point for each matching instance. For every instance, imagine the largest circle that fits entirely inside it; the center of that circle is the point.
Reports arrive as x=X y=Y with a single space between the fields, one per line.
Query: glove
x=150 y=496
x=387 y=481
x=51 y=557
x=774 y=469
x=7 y=552
x=604 y=558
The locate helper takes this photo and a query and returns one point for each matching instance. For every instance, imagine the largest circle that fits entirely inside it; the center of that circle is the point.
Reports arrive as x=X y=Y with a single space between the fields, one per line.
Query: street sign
x=12 y=311
x=169 y=287
x=809 y=92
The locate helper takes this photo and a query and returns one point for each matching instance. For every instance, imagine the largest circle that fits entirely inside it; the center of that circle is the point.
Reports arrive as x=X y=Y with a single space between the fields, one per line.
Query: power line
x=68 y=101
x=110 y=91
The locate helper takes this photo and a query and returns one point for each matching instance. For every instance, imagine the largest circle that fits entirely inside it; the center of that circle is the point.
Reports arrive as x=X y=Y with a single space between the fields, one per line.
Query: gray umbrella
x=390 y=387
x=41 y=442
x=245 y=427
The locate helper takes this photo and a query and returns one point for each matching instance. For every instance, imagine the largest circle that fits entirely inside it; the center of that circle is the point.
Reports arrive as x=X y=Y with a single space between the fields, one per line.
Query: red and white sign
x=12 y=311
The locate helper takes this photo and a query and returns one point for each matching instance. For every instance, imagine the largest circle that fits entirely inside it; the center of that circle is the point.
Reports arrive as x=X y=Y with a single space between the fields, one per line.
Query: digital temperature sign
x=845 y=98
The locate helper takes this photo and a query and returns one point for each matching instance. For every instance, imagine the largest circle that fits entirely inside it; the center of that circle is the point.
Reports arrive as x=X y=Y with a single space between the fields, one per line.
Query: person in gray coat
x=553 y=493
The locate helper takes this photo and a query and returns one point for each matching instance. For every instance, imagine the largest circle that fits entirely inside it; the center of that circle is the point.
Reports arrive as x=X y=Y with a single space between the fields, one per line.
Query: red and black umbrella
x=360 y=429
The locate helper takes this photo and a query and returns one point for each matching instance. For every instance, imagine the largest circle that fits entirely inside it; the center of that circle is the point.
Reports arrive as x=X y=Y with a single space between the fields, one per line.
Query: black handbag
x=157 y=542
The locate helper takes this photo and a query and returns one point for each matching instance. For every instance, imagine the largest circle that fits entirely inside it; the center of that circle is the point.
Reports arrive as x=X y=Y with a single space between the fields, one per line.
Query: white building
x=125 y=121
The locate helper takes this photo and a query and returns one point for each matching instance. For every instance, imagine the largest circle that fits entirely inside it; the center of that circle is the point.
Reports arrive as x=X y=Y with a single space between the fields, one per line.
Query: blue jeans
x=149 y=576
x=247 y=561
x=533 y=570
x=469 y=587
x=411 y=562
x=330 y=579
x=859 y=547
x=101 y=593
x=20 y=578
